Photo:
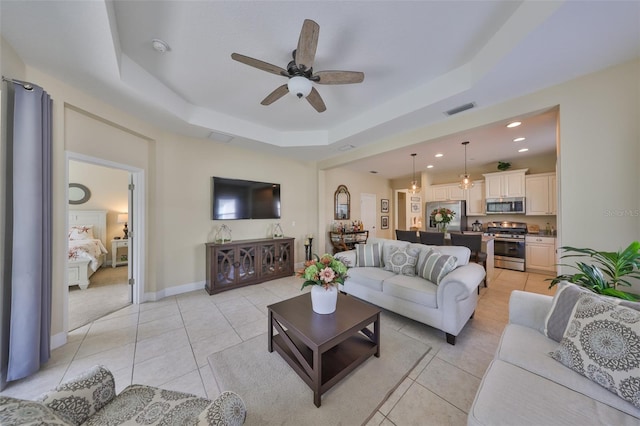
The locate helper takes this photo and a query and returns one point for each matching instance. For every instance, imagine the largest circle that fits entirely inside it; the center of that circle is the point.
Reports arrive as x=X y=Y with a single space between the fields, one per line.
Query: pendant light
x=465 y=183
x=414 y=188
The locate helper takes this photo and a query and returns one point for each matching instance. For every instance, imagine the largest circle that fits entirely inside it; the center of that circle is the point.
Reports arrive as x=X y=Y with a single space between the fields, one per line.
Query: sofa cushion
x=389 y=246
x=369 y=277
x=19 y=412
x=562 y=306
x=402 y=261
x=368 y=255
x=602 y=342
x=412 y=289
x=436 y=266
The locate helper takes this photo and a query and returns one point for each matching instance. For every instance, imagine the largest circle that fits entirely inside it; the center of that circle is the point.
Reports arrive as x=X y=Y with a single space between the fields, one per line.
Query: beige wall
x=109 y=191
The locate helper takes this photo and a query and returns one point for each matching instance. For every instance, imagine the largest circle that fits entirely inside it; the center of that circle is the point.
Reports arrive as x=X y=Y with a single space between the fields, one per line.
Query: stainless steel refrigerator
x=459 y=222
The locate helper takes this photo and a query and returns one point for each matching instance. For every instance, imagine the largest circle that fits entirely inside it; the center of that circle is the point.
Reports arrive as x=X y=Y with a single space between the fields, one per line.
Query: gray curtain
x=26 y=284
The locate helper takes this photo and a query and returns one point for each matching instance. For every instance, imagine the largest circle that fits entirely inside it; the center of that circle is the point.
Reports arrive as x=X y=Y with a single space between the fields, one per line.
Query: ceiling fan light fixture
x=299 y=86
x=465 y=182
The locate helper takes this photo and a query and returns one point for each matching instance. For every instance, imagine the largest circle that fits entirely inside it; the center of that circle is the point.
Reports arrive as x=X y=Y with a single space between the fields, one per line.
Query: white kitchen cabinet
x=475 y=199
x=540 y=254
x=541 y=194
x=446 y=192
x=505 y=184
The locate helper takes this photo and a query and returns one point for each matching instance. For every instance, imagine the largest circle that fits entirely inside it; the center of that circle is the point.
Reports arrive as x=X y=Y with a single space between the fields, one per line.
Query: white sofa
x=446 y=306
x=524 y=385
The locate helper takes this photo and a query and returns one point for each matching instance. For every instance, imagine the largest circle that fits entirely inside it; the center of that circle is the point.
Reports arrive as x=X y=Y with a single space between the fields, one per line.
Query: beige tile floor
x=166 y=343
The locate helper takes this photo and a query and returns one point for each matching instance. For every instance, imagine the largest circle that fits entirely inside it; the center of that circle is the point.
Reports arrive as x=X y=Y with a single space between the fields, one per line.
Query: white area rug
x=276 y=395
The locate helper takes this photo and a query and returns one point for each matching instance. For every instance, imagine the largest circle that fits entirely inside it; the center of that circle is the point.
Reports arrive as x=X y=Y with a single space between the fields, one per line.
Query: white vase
x=323 y=301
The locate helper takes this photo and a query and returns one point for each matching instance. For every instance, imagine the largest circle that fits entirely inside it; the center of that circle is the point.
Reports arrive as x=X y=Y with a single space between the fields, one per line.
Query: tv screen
x=245 y=199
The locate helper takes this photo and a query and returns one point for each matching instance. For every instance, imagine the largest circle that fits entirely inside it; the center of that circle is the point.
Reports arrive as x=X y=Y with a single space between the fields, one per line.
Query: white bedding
x=87 y=249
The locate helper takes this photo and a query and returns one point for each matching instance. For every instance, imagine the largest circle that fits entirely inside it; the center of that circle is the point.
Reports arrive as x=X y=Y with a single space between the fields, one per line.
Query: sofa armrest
x=347 y=257
x=81 y=397
x=529 y=309
x=227 y=409
x=459 y=283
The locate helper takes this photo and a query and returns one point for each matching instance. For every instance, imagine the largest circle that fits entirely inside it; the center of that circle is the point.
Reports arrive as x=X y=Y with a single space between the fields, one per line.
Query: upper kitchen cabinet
x=475 y=199
x=447 y=192
x=541 y=194
x=505 y=184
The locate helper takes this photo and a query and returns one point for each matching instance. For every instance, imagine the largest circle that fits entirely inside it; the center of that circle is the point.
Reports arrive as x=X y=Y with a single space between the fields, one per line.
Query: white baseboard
x=172 y=291
x=58 y=340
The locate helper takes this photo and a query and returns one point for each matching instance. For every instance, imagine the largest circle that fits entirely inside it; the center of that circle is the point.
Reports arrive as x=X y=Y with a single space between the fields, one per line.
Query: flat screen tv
x=244 y=199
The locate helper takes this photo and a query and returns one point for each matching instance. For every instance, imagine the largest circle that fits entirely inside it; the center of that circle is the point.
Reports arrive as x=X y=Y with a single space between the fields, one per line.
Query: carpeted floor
x=107 y=292
x=275 y=394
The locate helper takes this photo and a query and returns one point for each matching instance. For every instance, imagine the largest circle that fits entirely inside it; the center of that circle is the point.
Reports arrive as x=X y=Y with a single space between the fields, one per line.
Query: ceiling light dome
x=299 y=86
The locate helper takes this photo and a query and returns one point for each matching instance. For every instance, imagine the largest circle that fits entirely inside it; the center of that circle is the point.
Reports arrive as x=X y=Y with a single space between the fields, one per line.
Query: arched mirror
x=78 y=193
x=342 y=203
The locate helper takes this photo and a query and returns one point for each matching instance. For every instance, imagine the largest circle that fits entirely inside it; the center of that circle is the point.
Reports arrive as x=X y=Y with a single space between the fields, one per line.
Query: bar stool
x=410 y=236
x=432 y=238
x=474 y=243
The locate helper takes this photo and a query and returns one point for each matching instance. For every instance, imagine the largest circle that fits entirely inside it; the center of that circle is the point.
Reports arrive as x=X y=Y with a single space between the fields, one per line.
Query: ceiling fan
x=300 y=70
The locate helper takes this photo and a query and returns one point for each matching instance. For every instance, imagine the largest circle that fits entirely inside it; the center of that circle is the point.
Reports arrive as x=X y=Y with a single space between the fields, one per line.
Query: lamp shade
x=123 y=217
x=299 y=86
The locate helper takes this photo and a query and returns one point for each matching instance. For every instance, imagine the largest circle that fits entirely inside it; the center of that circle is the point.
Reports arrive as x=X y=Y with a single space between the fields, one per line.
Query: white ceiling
x=420 y=58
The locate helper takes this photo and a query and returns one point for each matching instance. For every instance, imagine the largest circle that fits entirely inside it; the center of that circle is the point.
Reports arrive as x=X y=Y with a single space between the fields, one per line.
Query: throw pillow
x=563 y=303
x=81 y=232
x=602 y=343
x=402 y=261
x=390 y=246
x=436 y=266
x=368 y=255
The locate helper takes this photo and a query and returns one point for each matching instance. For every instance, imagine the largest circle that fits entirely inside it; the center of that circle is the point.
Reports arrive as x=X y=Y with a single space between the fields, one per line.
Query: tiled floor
x=166 y=344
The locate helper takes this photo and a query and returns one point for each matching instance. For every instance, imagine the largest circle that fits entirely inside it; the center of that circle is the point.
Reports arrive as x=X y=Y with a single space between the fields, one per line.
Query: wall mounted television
x=244 y=199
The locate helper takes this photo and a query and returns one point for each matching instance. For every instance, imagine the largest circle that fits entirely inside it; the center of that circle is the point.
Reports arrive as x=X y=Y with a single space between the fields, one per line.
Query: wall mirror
x=78 y=193
x=342 y=203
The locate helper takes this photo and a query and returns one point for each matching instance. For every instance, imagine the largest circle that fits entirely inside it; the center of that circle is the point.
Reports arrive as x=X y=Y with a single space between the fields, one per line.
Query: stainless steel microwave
x=514 y=205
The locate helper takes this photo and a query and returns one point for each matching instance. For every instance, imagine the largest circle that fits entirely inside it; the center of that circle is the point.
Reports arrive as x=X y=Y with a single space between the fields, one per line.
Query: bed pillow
x=402 y=261
x=81 y=232
x=601 y=342
x=368 y=255
x=436 y=266
x=562 y=306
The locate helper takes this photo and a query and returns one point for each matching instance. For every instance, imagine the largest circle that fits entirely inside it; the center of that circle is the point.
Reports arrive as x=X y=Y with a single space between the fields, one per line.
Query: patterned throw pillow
x=563 y=303
x=602 y=342
x=368 y=255
x=436 y=266
x=81 y=232
x=402 y=261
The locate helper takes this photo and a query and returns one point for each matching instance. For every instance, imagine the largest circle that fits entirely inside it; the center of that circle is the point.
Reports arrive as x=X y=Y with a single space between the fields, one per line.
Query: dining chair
x=474 y=243
x=432 y=238
x=410 y=236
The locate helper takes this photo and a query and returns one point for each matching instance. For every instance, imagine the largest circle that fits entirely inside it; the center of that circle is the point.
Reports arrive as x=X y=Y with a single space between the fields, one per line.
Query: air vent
x=346 y=147
x=460 y=108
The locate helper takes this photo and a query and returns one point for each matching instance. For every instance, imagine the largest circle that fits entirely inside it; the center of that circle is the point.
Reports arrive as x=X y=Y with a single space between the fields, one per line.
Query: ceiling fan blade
x=261 y=65
x=316 y=101
x=307 y=43
x=338 y=77
x=275 y=95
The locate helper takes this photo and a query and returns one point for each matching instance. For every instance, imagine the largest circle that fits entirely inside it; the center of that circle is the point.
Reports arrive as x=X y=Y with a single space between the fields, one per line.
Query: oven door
x=509 y=254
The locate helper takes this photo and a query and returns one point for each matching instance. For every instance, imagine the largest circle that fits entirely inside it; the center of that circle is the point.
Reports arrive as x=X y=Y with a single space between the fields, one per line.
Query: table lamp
x=124 y=218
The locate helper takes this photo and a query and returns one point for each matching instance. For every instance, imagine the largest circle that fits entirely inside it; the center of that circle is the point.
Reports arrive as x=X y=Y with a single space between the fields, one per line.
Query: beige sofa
x=525 y=385
x=90 y=399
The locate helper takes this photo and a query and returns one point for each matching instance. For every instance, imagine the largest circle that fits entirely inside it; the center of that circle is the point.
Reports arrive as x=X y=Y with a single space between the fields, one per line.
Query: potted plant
x=323 y=274
x=608 y=271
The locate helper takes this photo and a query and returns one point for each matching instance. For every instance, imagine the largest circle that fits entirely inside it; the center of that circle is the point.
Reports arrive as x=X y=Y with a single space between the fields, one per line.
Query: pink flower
x=327 y=275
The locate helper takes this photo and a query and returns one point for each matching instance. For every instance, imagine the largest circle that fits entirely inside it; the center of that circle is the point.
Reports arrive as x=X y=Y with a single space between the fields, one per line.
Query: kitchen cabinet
x=446 y=192
x=540 y=253
x=475 y=199
x=505 y=184
x=541 y=194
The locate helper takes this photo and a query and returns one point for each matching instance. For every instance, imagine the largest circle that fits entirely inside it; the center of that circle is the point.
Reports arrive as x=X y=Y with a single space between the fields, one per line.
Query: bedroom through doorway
x=99 y=249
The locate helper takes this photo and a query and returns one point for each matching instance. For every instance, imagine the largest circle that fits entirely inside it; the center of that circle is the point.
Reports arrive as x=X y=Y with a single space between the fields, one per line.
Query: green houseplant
x=607 y=271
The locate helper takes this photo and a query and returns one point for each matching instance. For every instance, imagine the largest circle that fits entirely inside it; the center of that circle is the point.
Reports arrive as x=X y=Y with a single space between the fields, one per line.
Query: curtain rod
x=25 y=85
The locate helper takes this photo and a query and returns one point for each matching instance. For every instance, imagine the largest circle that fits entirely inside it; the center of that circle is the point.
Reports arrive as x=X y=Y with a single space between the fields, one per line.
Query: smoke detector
x=159 y=45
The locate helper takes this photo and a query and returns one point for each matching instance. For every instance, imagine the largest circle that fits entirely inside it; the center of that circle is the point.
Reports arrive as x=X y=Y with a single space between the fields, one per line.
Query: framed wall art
x=384 y=222
x=415 y=207
x=384 y=205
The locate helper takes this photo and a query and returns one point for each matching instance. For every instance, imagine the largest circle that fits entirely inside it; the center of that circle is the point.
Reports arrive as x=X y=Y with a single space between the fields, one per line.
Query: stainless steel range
x=509 y=244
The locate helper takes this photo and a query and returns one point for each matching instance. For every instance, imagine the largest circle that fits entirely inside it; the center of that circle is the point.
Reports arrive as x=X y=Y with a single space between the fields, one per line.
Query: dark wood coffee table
x=323 y=349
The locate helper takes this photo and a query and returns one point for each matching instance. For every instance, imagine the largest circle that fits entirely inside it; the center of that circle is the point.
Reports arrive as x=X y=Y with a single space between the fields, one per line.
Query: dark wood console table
x=342 y=241
x=245 y=262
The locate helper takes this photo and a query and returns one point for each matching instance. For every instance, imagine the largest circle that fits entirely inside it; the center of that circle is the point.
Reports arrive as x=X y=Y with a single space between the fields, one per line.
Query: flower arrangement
x=442 y=216
x=323 y=271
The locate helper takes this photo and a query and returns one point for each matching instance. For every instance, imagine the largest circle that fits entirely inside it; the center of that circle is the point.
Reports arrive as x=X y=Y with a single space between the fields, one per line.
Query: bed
x=86 y=245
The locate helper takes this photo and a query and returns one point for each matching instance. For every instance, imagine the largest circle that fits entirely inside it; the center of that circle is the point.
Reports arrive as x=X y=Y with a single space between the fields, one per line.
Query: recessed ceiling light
x=519 y=139
x=514 y=124
x=159 y=45
x=430 y=166
x=523 y=150
x=439 y=155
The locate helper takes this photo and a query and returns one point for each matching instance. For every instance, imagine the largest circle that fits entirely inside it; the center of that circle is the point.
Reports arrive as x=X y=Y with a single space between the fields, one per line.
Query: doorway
x=116 y=282
x=368 y=213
